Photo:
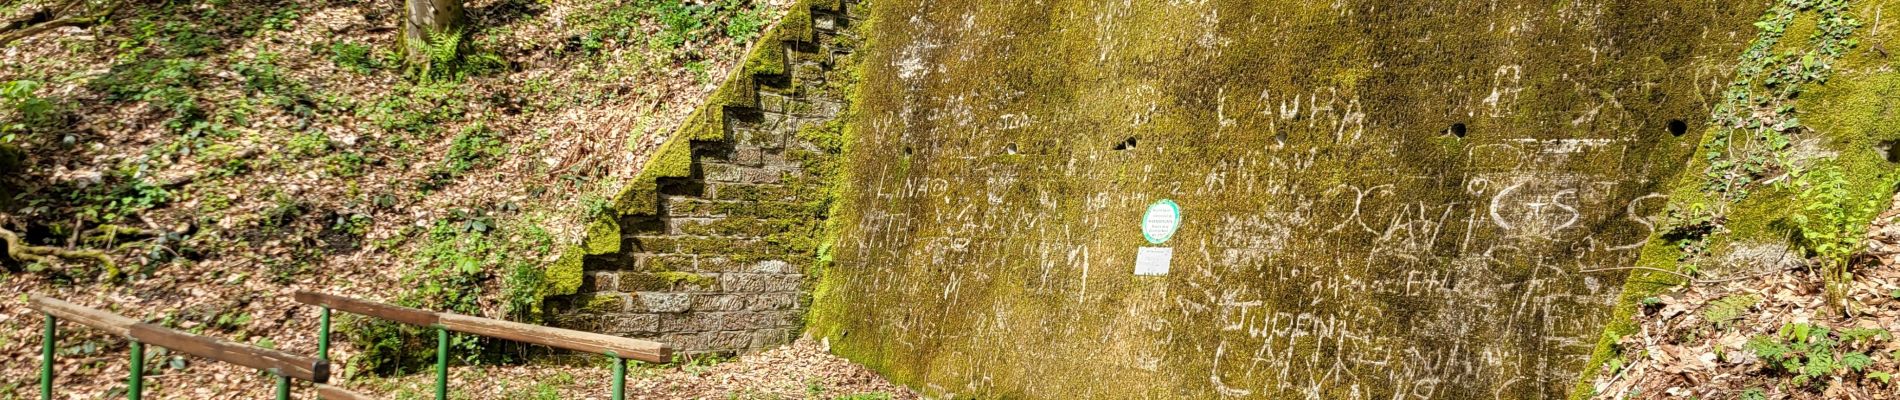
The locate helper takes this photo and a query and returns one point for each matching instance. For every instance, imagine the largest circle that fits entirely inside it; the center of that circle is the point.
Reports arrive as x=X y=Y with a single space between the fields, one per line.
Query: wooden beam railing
x=285 y=366
x=620 y=348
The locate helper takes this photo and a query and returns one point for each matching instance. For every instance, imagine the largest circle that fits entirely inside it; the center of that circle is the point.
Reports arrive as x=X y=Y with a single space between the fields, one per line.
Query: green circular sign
x=1161 y=220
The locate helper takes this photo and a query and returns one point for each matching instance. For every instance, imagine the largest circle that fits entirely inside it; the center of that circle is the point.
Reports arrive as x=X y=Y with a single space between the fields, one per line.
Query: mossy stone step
x=750 y=192
x=693 y=207
x=736 y=227
x=716 y=172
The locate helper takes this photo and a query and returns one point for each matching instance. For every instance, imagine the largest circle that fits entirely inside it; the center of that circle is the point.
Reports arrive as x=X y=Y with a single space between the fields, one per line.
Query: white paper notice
x=1153 y=261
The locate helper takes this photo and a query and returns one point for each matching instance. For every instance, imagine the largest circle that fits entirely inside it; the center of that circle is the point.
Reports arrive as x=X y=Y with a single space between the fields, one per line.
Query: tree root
x=18 y=250
x=107 y=235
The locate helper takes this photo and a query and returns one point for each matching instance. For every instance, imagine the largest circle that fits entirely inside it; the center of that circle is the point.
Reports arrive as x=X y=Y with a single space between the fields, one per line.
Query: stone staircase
x=720 y=266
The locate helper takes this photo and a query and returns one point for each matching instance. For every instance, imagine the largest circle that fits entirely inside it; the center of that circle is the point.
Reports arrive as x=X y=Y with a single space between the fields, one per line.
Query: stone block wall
x=721 y=266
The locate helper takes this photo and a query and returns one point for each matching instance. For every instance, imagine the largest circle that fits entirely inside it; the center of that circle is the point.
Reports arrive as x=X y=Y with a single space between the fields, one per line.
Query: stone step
x=742 y=249
x=692 y=245
x=737 y=227
x=695 y=207
x=716 y=321
x=730 y=291
x=750 y=192
x=734 y=173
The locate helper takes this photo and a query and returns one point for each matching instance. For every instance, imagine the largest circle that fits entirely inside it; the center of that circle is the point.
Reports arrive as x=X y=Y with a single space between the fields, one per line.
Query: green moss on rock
x=603 y=236
x=564 y=276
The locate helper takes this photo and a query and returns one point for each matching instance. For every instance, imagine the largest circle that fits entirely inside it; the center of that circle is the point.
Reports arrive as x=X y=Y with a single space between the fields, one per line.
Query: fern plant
x=444 y=50
x=1813 y=353
x=1831 y=226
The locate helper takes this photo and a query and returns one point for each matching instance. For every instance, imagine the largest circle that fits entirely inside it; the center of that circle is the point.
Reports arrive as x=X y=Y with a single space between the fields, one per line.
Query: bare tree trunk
x=426 y=20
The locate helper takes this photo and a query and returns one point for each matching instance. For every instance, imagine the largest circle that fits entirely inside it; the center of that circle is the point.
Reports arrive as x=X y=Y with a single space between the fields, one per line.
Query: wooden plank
x=590 y=342
x=378 y=310
x=291 y=365
x=115 y=323
x=327 y=392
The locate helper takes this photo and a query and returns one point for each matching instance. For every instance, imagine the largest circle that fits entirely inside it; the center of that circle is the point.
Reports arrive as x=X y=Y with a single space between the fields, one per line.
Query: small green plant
x=698 y=69
x=309 y=144
x=32 y=111
x=352 y=56
x=164 y=84
x=1721 y=312
x=450 y=58
x=417 y=108
x=814 y=388
x=346 y=164
x=356 y=224
x=1754 y=394
x=262 y=75
x=745 y=22
x=476 y=146
x=544 y=389
x=1812 y=353
x=455 y=269
x=679 y=22
x=445 y=48
x=1831 y=226
x=131 y=196
x=697 y=364
x=282 y=20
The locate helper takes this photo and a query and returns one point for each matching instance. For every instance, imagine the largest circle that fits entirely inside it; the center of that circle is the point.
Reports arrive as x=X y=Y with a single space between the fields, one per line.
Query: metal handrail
x=620 y=348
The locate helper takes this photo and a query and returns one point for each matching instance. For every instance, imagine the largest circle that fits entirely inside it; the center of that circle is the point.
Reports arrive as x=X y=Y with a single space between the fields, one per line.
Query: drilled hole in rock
x=1678 y=127
x=1890 y=150
x=1457 y=129
x=1009 y=149
x=1126 y=144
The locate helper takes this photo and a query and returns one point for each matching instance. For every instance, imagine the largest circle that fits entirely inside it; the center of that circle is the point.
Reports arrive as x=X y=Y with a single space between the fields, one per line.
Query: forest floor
x=1770 y=335
x=227 y=153
x=801 y=370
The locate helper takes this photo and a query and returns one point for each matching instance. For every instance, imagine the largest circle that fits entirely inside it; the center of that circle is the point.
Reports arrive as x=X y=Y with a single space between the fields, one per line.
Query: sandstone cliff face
x=1380 y=200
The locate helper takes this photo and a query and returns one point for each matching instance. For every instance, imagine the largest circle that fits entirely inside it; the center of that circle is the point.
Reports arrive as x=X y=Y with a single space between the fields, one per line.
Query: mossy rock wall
x=1816 y=92
x=1414 y=199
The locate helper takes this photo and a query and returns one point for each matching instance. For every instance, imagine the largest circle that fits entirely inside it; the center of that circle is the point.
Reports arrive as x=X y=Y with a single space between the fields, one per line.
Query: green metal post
x=441 y=363
x=323 y=335
x=135 y=385
x=620 y=377
x=283 y=387
x=46 y=359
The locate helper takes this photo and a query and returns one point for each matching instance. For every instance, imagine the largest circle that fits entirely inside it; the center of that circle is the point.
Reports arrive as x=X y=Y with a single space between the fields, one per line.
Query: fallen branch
x=18 y=250
x=8 y=37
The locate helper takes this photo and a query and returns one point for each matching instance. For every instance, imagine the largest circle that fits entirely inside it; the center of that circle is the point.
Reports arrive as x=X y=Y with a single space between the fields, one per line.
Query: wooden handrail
x=327 y=392
x=590 y=342
x=286 y=364
x=405 y=315
x=117 y=324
